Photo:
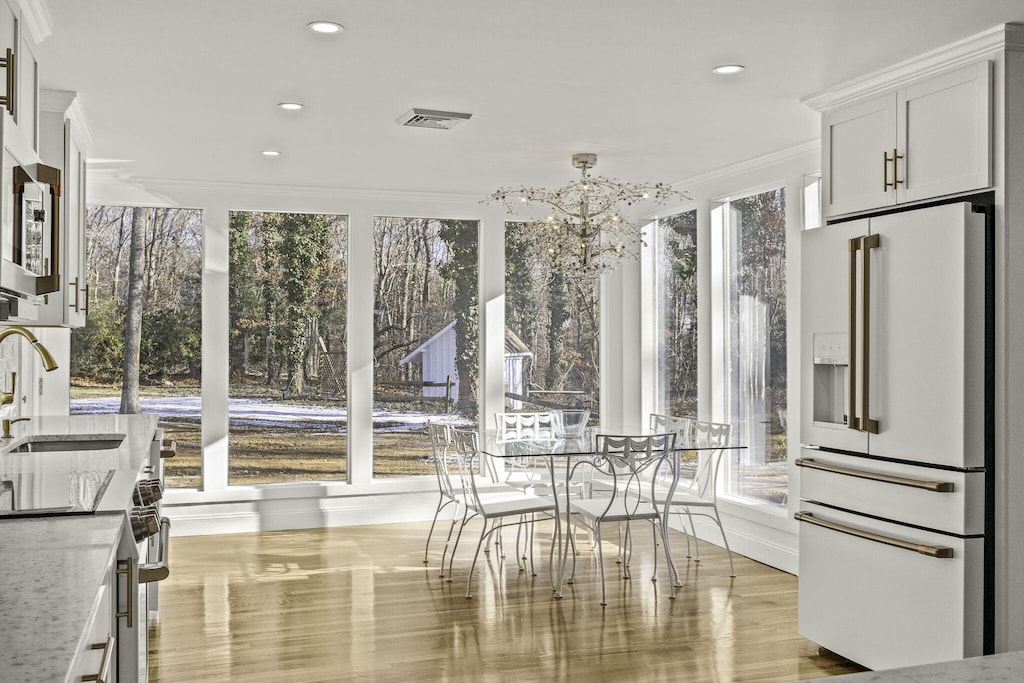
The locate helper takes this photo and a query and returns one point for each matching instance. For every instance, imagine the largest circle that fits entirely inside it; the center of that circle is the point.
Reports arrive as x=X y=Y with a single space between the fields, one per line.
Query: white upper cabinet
x=931 y=138
x=64 y=139
x=858 y=140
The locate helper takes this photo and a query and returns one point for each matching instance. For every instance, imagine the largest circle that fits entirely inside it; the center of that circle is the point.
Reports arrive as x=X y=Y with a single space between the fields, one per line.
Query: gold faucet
x=49 y=364
x=6 y=426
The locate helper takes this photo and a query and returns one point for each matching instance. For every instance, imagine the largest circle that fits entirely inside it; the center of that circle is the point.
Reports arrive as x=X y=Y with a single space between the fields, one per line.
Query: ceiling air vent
x=428 y=118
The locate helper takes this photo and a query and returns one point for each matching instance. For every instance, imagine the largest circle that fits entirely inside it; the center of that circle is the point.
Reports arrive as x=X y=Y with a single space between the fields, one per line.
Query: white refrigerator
x=896 y=388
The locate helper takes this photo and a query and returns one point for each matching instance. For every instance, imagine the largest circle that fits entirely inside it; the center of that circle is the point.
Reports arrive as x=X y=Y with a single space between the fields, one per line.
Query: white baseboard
x=758 y=542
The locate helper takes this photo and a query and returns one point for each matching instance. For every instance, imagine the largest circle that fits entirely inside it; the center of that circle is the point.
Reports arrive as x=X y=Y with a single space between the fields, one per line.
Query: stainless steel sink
x=51 y=443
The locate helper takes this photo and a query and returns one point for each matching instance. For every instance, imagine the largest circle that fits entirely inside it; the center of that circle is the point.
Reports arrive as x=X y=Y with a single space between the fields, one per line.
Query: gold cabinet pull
x=127 y=568
x=85 y=309
x=74 y=285
x=108 y=651
x=939 y=551
x=7 y=62
x=885 y=172
x=934 y=486
x=896 y=169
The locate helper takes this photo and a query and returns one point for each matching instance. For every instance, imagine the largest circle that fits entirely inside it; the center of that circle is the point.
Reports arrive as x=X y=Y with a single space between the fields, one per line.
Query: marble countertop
x=1008 y=666
x=51 y=568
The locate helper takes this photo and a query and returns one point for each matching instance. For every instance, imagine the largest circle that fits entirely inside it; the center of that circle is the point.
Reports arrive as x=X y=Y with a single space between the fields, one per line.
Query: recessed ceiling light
x=728 y=69
x=291 y=106
x=325 y=27
x=270 y=153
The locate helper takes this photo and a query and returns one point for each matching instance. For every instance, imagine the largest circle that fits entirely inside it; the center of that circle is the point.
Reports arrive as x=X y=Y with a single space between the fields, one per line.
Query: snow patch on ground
x=262 y=413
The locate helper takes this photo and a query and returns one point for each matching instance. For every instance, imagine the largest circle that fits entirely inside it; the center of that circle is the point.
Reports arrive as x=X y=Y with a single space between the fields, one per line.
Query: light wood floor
x=357 y=604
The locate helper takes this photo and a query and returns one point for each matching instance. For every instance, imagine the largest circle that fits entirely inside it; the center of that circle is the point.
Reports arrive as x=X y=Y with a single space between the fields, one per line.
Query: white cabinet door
x=26 y=110
x=8 y=41
x=856 y=141
x=927 y=140
x=60 y=147
x=945 y=128
x=926 y=375
x=825 y=327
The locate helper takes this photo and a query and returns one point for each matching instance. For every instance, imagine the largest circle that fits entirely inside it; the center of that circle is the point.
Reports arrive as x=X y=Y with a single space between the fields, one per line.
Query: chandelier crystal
x=586 y=233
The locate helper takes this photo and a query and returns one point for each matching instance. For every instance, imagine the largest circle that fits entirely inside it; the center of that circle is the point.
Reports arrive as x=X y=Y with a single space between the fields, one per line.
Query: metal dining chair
x=526 y=473
x=493 y=511
x=699 y=496
x=450 y=494
x=629 y=463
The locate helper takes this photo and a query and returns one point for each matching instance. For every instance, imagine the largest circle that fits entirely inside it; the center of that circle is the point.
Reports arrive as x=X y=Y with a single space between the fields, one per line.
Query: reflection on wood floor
x=357 y=604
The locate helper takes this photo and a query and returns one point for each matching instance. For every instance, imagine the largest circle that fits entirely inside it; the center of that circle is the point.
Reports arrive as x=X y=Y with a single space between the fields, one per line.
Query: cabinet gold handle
x=896 y=169
x=885 y=172
x=74 y=285
x=929 y=550
x=108 y=651
x=7 y=63
x=127 y=568
x=85 y=309
x=934 y=486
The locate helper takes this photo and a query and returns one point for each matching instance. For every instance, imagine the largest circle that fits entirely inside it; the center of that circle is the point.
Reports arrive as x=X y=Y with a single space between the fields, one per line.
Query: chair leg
x=600 y=562
x=686 y=533
x=441 y=505
x=654 y=535
x=696 y=541
x=484 y=533
x=448 y=540
x=666 y=541
x=451 y=560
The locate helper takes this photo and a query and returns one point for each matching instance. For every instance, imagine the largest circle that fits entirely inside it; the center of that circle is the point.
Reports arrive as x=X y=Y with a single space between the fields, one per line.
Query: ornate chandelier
x=585 y=233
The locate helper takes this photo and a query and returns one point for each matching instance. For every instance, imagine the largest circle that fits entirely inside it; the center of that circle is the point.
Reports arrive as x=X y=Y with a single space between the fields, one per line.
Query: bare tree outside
x=676 y=314
x=140 y=348
x=556 y=316
x=426 y=354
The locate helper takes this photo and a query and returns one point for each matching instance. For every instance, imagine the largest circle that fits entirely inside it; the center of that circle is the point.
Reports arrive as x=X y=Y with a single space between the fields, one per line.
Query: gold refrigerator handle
x=852 y=421
x=939 y=551
x=867 y=243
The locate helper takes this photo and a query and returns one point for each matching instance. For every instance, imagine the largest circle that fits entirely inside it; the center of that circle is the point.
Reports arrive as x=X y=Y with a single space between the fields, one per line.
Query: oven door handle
x=159 y=570
x=929 y=550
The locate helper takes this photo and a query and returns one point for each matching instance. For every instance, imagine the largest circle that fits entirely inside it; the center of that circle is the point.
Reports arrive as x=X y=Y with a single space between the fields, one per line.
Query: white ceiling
x=187 y=89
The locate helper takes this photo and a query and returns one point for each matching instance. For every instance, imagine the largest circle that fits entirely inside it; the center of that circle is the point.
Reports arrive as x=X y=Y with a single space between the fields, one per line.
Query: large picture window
x=676 y=314
x=552 y=335
x=754 y=268
x=426 y=348
x=287 y=294
x=144 y=271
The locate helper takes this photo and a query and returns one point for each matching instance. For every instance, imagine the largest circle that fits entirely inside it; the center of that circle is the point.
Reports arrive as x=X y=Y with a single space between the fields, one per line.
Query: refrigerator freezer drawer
x=932 y=498
x=883 y=605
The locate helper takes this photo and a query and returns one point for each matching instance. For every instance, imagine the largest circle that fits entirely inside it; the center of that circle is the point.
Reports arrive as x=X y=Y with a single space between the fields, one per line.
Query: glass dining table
x=560 y=455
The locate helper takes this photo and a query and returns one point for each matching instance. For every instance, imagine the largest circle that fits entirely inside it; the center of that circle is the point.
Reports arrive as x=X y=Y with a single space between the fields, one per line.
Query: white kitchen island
x=63 y=578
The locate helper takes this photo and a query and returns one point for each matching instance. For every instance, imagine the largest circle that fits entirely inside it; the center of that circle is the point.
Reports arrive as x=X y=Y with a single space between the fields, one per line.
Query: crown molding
x=971 y=49
x=755 y=164
x=68 y=103
x=167 y=185
x=36 y=17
